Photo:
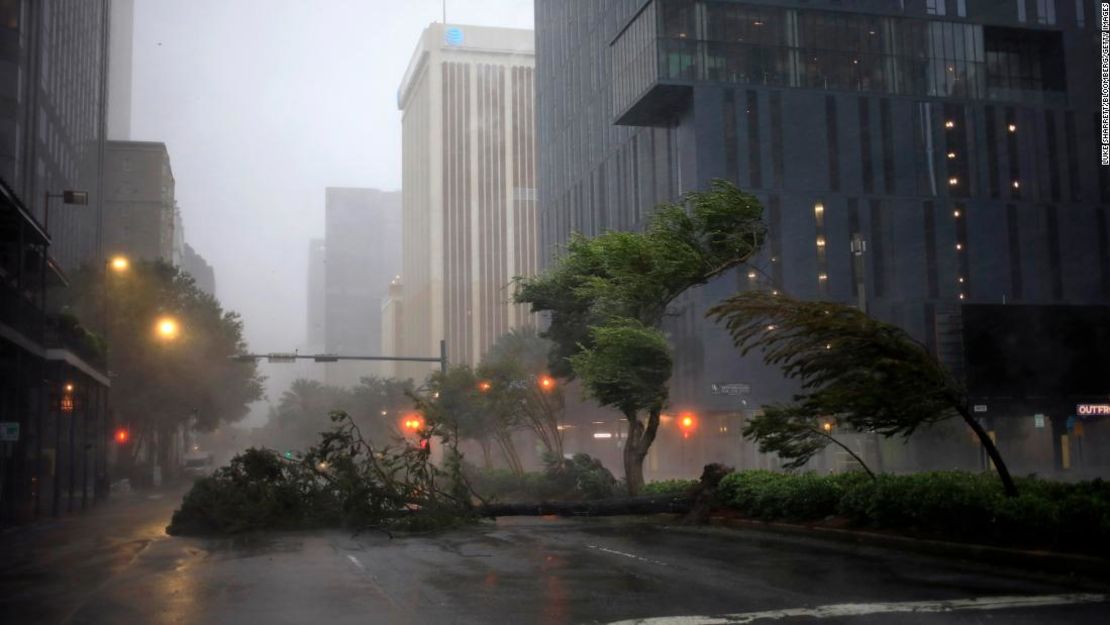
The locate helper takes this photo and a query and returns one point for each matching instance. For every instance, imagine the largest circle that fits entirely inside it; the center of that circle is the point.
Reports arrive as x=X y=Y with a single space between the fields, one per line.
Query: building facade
x=954 y=141
x=53 y=84
x=314 y=313
x=469 y=187
x=120 y=61
x=202 y=272
x=362 y=253
x=140 y=213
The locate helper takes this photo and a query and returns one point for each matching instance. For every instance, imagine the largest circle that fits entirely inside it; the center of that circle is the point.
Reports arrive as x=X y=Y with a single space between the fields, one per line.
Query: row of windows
x=944 y=253
x=822 y=50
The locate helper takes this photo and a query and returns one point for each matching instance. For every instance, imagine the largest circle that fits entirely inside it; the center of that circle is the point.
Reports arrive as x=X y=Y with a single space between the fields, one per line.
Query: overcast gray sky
x=263 y=104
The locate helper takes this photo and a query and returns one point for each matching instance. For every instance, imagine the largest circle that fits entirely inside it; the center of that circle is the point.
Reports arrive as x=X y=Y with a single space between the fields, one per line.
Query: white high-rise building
x=469 y=196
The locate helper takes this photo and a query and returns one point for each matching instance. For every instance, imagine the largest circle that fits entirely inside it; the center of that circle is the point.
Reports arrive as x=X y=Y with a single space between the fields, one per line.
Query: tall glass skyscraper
x=952 y=143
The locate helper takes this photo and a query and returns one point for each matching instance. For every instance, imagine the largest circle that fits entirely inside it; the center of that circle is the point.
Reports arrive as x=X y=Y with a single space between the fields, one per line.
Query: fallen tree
x=650 y=504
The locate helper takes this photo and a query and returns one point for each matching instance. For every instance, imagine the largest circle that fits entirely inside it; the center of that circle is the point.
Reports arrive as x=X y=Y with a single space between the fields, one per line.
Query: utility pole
x=859 y=248
x=444 y=12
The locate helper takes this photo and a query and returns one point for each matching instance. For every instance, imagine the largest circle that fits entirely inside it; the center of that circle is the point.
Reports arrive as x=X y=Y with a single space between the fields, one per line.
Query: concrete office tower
x=392 y=327
x=957 y=139
x=196 y=266
x=53 y=84
x=120 y=63
x=469 y=190
x=314 y=310
x=362 y=254
x=140 y=213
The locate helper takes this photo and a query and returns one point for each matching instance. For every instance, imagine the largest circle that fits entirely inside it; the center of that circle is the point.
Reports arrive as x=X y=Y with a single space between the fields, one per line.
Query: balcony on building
x=669 y=46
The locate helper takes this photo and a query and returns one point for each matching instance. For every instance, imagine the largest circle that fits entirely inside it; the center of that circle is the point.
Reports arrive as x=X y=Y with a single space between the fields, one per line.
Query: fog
x=264 y=103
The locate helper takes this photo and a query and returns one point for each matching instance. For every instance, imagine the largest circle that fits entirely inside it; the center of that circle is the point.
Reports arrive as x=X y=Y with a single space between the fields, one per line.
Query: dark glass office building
x=953 y=141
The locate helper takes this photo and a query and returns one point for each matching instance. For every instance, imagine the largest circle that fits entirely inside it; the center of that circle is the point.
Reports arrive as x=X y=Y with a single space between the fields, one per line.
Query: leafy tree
x=795 y=435
x=617 y=277
x=160 y=385
x=628 y=368
x=460 y=405
x=516 y=368
x=375 y=405
x=870 y=375
x=302 y=413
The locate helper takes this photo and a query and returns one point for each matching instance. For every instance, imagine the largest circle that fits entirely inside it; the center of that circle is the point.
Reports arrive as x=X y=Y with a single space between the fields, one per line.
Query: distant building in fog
x=314 y=331
x=362 y=253
x=53 y=85
x=202 y=272
x=392 y=326
x=120 y=62
x=469 y=187
x=140 y=214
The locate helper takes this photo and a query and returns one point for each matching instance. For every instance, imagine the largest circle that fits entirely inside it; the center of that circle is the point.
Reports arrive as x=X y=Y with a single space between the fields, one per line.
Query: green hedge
x=948 y=505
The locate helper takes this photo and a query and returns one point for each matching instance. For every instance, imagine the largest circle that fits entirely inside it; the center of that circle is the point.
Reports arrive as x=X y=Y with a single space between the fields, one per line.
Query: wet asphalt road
x=115 y=565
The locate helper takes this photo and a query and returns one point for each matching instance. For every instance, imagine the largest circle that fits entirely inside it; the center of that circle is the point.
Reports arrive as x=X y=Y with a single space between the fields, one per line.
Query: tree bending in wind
x=607 y=297
x=870 y=375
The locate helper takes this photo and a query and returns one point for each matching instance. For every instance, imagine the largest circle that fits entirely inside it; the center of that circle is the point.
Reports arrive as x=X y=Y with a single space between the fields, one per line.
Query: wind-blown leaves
x=873 y=376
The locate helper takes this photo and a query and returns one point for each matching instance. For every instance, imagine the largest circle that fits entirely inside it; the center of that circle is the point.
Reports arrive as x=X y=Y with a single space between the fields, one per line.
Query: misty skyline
x=263 y=105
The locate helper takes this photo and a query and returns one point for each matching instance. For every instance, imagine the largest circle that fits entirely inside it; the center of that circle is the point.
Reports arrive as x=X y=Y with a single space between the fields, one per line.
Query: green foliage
x=302 y=411
x=636 y=275
x=793 y=434
x=343 y=481
x=946 y=505
x=627 y=368
x=606 y=297
x=872 y=376
x=158 y=385
x=669 y=487
x=257 y=490
x=514 y=367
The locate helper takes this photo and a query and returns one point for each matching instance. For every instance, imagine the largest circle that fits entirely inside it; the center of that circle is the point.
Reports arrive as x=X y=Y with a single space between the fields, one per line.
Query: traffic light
x=122 y=436
x=688 y=423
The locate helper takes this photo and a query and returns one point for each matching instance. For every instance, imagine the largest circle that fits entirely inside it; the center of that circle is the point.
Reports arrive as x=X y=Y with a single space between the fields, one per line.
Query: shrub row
x=948 y=505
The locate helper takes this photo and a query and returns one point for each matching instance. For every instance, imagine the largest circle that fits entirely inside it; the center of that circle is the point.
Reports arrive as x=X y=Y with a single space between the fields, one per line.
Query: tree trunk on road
x=652 y=504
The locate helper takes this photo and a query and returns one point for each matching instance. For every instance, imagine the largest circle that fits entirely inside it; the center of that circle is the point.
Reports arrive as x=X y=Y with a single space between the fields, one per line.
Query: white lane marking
x=627 y=555
x=862 y=609
x=356 y=562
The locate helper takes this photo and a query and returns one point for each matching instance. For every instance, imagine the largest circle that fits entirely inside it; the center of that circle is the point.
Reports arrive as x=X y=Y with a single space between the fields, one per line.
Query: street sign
x=9 y=431
x=1038 y=421
x=1092 y=410
x=281 y=358
x=730 y=389
x=979 y=408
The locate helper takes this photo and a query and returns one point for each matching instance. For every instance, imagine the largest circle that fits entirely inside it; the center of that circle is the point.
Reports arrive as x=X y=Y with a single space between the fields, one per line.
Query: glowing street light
x=547 y=383
x=167 y=328
x=484 y=386
x=412 y=423
x=119 y=264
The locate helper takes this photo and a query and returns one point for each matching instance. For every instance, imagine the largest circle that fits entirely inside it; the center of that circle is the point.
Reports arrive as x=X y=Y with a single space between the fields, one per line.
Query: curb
x=1057 y=563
